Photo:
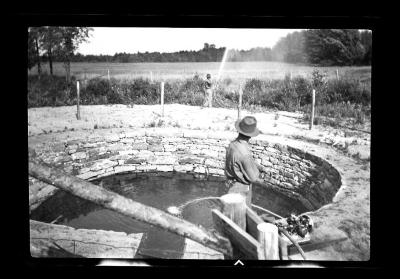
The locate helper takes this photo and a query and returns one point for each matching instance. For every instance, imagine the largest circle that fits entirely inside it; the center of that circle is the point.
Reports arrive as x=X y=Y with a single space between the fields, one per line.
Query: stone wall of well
x=289 y=170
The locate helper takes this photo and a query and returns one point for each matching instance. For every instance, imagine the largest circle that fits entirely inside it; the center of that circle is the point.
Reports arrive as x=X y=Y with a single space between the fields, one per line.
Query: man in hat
x=241 y=169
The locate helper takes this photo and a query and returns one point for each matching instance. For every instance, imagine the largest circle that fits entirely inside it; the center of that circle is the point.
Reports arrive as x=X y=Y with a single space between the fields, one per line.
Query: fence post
x=162 y=99
x=240 y=101
x=108 y=74
x=268 y=238
x=78 y=113
x=84 y=80
x=235 y=208
x=337 y=73
x=312 y=109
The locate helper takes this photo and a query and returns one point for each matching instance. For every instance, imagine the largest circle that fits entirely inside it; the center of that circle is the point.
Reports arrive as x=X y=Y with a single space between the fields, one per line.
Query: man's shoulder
x=236 y=146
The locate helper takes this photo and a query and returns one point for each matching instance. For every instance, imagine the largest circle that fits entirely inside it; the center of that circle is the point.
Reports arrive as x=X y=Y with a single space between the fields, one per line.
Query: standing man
x=241 y=169
x=208 y=91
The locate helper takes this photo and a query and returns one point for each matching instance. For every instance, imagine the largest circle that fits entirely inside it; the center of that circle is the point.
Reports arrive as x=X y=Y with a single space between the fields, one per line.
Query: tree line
x=320 y=47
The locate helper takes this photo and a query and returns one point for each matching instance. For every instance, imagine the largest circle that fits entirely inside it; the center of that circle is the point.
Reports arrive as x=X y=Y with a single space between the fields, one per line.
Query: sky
x=109 y=40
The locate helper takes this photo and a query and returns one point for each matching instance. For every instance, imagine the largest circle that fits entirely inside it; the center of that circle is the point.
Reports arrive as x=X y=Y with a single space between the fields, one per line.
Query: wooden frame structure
x=256 y=239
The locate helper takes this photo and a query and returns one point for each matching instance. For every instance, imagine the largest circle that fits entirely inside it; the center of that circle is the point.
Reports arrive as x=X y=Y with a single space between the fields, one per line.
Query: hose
x=283 y=230
x=269 y=212
x=293 y=241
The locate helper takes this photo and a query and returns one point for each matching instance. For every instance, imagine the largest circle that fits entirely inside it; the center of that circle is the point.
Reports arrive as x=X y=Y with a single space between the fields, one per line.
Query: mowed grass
x=234 y=71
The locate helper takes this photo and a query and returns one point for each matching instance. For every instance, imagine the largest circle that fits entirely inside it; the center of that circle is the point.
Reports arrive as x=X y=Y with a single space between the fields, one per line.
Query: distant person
x=241 y=169
x=208 y=91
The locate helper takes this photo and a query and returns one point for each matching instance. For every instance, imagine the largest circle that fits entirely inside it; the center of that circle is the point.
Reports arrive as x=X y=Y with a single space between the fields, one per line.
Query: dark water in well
x=160 y=190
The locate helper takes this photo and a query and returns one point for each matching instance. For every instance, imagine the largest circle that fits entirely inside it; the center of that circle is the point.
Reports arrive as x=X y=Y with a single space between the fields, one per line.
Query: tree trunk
x=50 y=60
x=39 y=68
x=67 y=65
x=128 y=207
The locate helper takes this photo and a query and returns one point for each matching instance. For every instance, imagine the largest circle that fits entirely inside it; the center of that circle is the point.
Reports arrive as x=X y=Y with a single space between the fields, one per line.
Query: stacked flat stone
x=291 y=171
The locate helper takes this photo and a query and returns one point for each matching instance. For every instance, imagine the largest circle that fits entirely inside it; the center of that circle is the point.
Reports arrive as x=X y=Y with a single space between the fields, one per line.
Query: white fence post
x=312 y=109
x=240 y=101
x=78 y=113
x=162 y=98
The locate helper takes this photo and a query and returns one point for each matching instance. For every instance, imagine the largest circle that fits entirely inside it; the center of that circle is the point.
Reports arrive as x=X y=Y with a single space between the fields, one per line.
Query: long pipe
x=128 y=207
x=270 y=212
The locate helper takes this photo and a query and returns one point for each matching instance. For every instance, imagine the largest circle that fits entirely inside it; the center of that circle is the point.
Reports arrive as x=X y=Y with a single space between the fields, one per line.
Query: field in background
x=237 y=71
x=266 y=86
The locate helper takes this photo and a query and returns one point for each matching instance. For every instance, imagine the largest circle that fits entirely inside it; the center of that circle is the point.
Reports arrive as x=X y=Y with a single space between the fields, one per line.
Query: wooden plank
x=242 y=242
x=49 y=240
x=252 y=221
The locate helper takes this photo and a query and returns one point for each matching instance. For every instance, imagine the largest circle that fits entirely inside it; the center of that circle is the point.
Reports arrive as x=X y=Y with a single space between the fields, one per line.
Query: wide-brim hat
x=247 y=126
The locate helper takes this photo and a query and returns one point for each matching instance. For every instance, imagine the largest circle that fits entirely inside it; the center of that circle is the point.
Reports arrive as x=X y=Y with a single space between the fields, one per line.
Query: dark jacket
x=240 y=164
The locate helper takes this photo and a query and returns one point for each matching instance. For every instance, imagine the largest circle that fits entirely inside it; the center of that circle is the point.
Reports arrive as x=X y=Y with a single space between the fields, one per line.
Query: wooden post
x=84 y=80
x=268 y=238
x=337 y=73
x=78 y=113
x=244 y=190
x=150 y=215
x=235 y=208
x=240 y=101
x=108 y=74
x=312 y=109
x=162 y=99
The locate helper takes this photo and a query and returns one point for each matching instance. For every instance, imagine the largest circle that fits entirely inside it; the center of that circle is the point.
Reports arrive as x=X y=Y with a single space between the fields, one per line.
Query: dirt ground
x=346 y=149
x=49 y=120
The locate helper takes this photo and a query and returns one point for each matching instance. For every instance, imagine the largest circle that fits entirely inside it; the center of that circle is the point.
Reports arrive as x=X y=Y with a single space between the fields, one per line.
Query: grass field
x=237 y=71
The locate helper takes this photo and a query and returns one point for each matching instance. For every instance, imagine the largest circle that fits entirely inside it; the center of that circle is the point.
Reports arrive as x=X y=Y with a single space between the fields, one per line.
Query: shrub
x=50 y=91
x=346 y=97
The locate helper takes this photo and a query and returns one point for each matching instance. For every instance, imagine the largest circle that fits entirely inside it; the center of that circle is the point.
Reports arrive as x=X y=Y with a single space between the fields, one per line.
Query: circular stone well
x=288 y=170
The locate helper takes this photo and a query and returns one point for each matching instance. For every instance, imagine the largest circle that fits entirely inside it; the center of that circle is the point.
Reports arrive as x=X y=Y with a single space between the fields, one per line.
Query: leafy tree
x=334 y=47
x=70 y=38
x=34 y=45
x=366 y=41
x=32 y=55
x=52 y=39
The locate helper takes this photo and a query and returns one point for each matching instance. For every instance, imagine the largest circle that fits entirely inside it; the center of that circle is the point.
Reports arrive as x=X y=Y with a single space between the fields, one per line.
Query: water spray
x=177 y=210
x=221 y=66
